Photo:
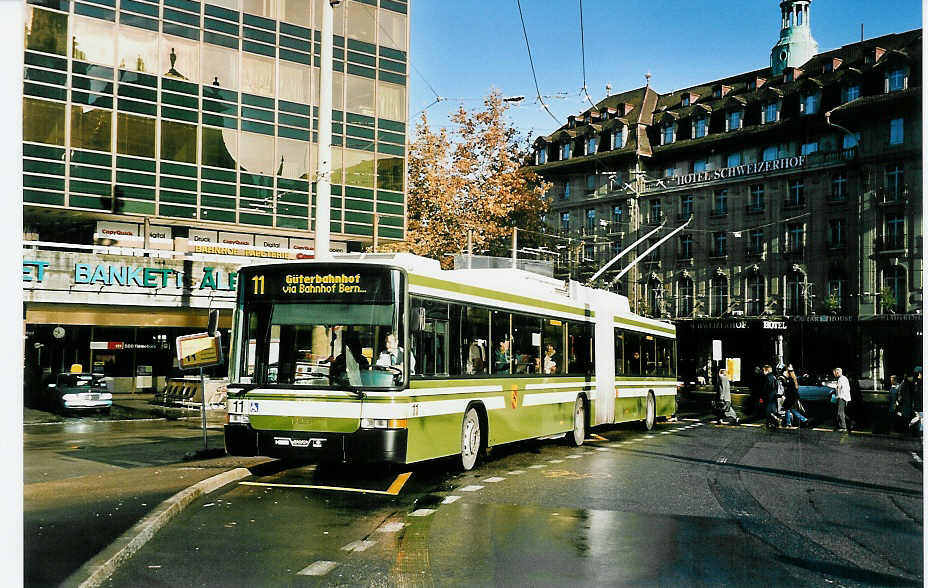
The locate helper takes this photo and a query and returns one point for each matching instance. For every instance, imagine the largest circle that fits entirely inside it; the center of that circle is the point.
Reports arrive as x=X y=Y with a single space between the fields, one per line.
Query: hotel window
x=667 y=134
x=896 y=131
x=685 y=296
x=895 y=181
x=850 y=141
x=589 y=253
x=770 y=112
x=699 y=127
x=734 y=120
x=756 y=242
x=565 y=195
x=591 y=146
x=795 y=238
x=686 y=205
x=837 y=232
x=755 y=299
x=565 y=150
x=839 y=186
x=894 y=280
x=590 y=219
x=837 y=287
x=756 y=198
x=795 y=294
x=851 y=93
x=686 y=246
x=810 y=103
x=670 y=172
x=895 y=231
x=685 y=100
x=896 y=80
x=617 y=214
x=565 y=221
x=718 y=295
x=700 y=165
x=809 y=148
x=719 y=244
x=618 y=139
x=590 y=184
x=655 y=212
x=720 y=202
x=796 y=195
x=734 y=159
x=770 y=153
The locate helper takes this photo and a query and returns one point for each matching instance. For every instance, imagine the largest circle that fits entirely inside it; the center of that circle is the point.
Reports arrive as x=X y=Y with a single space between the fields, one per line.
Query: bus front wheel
x=576 y=436
x=650 y=413
x=471 y=439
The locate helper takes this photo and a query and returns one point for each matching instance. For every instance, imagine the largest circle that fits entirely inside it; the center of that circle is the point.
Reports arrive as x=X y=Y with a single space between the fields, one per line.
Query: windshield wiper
x=242 y=388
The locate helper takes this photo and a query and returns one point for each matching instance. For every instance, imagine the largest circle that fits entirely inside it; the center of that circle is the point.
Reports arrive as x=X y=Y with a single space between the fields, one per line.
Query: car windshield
x=79 y=380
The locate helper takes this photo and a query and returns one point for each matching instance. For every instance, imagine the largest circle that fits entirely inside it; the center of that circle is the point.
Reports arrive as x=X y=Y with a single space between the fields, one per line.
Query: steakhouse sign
x=725 y=173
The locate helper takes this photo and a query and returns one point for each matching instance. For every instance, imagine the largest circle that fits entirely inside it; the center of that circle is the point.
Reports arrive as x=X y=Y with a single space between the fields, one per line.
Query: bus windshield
x=322 y=325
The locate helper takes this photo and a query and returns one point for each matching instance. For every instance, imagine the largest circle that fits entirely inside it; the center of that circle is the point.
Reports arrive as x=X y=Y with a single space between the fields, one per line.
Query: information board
x=198 y=350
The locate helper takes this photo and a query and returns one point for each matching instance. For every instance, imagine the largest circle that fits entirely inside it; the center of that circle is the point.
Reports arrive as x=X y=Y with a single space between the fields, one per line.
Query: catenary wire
x=532 y=64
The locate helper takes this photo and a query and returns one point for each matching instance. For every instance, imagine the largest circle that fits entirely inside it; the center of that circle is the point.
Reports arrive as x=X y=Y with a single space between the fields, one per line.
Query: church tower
x=796 y=45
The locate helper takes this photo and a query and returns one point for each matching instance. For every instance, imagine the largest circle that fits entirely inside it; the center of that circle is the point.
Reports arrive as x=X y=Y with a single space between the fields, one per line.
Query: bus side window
x=580 y=347
x=475 y=337
x=619 y=357
x=501 y=343
x=632 y=354
x=648 y=355
x=526 y=344
x=554 y=358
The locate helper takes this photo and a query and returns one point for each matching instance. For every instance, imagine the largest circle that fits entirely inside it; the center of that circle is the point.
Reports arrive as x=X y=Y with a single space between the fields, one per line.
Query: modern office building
x=803 y=183
x=167 y=142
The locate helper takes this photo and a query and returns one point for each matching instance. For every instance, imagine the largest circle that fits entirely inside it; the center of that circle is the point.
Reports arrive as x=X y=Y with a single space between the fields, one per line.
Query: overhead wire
x=583 y=58
x=532 y=64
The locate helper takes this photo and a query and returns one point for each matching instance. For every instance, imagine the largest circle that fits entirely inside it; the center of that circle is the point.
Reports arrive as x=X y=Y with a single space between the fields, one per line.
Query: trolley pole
x=324 y=181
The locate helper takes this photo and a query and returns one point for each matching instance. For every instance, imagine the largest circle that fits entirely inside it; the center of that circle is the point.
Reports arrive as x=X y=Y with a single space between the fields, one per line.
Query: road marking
x=537 y=466
x=494 y=479
x=450 y=499
x=690 y=420
x=393 y=490
x=722 y=460
x=422 y=512
x=515 y=472
x=574 y=456
x=649 y=436
x=361 y=545
x=917 y=458
x=319 y=568
x=667 y=433
x=391 y=527
x=472 y=488
x=555 y=461
x=595 y=437
x=601 y=448
x=398 y=483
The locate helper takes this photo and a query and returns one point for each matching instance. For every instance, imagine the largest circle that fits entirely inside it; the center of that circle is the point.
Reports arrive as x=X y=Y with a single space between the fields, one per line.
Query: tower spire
x=796 y=45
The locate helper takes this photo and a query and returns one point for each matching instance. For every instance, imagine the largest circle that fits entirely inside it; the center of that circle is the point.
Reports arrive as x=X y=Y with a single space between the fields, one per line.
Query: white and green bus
x=389 y=358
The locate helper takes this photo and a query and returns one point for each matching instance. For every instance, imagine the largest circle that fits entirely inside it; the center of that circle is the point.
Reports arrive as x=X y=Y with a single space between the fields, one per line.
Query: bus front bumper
x=364 y=445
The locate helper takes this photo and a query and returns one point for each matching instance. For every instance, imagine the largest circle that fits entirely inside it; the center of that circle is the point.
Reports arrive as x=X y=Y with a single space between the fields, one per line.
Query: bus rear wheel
x=578 y=434
x=471 y=439
x=650 y=413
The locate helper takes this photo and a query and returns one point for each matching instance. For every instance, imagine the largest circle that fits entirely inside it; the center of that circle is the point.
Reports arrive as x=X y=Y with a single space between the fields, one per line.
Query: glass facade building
x=205 y=114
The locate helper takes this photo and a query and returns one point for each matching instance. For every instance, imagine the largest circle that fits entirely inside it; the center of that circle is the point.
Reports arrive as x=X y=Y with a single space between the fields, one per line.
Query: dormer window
x=896 y=80
x=667 y=134
x=770 y=112
x=685 y=100
x=851 y=92
x=810 y=103
x=541 y=156
x=700 y=165
x=565 y=150
x=591 y=146
x=733 y=120
x=699 y=127
x=618 y=138
x=571 y=122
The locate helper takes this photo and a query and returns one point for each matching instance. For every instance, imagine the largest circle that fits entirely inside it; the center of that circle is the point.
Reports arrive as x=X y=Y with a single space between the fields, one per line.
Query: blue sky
x=463 y=48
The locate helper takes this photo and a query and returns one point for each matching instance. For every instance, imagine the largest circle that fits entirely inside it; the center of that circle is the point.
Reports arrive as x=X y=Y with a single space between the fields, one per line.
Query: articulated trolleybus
x=388 y=358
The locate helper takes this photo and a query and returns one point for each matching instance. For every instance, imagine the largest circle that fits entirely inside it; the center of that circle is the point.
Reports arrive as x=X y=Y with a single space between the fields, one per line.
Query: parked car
x=815 y=388
x=69 y=392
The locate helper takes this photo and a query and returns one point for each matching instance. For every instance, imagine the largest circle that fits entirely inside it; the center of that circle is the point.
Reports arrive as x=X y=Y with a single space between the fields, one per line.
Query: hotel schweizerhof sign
x=727 y=173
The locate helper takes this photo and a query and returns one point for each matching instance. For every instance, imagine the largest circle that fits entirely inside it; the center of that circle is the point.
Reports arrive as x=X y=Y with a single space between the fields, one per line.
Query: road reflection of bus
x=389 y=358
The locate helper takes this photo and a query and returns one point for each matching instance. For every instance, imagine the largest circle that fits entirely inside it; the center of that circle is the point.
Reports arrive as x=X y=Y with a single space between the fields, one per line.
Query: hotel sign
x=727 y=173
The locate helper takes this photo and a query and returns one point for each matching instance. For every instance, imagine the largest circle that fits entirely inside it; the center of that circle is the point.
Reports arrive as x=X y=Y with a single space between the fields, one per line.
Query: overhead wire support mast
x=625 y=251
x=628 y=267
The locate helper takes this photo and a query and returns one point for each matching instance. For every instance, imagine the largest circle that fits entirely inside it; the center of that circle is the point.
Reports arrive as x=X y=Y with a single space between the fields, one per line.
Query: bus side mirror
x=417 y=319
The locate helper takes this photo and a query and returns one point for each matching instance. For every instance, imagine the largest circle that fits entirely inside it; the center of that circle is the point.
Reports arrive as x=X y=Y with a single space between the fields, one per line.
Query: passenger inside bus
x=501 y=358
x=549 y=366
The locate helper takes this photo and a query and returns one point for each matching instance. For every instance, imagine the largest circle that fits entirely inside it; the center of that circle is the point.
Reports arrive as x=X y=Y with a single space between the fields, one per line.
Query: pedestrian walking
x=722 y=403
x=770 y=396
x=791 y=401
x=843 y=396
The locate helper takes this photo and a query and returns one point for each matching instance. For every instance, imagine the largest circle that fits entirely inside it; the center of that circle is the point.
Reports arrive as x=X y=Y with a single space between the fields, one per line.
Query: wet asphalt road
x=686 y=504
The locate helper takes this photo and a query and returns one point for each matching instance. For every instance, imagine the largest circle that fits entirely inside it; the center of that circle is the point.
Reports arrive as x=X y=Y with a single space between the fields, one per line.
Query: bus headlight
x=383 y=423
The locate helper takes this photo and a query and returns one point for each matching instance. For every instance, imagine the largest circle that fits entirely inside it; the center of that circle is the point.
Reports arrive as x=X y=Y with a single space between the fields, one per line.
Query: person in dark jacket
x=770 y=394
x=791 y=399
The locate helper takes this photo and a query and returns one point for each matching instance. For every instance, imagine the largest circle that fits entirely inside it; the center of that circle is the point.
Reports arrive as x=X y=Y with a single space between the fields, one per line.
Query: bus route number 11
x=258 y=282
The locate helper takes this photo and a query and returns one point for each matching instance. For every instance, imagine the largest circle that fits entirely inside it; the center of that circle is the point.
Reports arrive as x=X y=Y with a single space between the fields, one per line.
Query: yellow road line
x=393 y=490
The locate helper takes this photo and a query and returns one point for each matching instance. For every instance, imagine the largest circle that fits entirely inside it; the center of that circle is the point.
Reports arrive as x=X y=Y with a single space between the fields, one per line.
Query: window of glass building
x=295 y=11
x=178 y=141
x=391 y=101
x=43 y=121
x=219 y=147
x=138 y=50
x=135 y=135
x=338 y=89
x=361 y=22
x=180 y=58
x=257 y=75
x=359 y=168
x=256 y=154
x=359 y=95
x=46 y=31
x=337 y=176
x=338 y=17
x=392 y=29
x=265 y=8
x=390 y=173
x=219 y=67
x=91 y=128
x=92 y=40
x=294 y=82
x=292 y=158
x=230 y=4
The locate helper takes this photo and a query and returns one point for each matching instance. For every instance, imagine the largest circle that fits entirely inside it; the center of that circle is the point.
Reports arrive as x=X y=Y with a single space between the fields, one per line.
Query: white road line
x=450 y=499
x=359 y=545
x=422 y=512
x=667 y=433
x=917 y=458
x=555 y=461
x=649 y=436
x=392 y=527
x=574 y=456
x=601 y=448
x=319 y=568
x=515 y=472
x=537 y=466
x=494 y=479
x=690 y=420
x=472 y=488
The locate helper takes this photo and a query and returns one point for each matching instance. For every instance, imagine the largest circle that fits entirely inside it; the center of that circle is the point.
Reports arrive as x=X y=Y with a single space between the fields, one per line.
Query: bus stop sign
x=199 y=350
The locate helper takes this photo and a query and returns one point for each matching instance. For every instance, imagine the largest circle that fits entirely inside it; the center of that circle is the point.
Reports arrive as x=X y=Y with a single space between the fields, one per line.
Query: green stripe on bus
x=639 y=324
x=495 y=295
x=419 y=384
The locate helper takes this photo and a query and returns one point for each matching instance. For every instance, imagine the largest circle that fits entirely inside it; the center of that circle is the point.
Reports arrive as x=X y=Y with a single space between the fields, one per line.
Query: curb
x=98 y=569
